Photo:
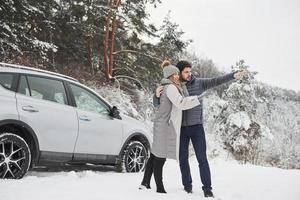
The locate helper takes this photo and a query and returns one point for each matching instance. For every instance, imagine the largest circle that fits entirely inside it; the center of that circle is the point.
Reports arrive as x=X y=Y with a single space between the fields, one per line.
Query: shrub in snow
x=255 y=122
x=238 y=125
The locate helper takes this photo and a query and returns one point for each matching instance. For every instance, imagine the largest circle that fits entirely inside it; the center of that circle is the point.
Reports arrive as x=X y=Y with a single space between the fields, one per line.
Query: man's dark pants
x=197 y=135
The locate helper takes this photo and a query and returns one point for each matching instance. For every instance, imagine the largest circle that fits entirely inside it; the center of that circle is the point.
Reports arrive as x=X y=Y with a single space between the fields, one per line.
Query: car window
x=6 y=80
x=43 y=88
x=23 y=86
x=87 y=101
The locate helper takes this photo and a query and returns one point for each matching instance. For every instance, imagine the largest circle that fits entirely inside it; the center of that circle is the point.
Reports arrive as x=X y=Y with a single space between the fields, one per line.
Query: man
x=192 y=125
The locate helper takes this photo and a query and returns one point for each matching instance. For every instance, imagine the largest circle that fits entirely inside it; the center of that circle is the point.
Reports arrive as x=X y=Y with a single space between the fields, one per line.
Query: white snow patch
x=231 y=181
x=45 y=45
x=240 y=119
x=6 y=27
x=266 y=132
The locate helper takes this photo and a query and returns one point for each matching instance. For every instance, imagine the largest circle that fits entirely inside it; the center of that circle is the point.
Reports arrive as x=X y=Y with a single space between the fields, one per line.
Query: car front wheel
x=15 y=156
x=134 y=157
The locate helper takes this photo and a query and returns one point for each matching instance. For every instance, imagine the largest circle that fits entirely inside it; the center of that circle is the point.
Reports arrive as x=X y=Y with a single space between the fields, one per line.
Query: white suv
x=48 y=119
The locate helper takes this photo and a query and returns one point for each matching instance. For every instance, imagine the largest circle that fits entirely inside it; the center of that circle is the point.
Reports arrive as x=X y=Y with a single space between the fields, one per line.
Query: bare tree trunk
x=52 y=53
x=113 y=35
x=106 y=40
x=99 y=56
x=90 y=52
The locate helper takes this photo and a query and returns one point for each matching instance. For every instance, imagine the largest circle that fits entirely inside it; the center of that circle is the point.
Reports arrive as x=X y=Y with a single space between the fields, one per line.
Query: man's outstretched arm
x=208 y=83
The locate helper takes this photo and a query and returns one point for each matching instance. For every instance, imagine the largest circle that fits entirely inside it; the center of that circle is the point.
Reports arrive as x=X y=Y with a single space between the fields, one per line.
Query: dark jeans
x=197 y=135
x=154 y=165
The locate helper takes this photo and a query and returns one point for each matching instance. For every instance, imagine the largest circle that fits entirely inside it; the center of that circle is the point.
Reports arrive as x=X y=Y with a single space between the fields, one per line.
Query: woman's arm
x=183 y=103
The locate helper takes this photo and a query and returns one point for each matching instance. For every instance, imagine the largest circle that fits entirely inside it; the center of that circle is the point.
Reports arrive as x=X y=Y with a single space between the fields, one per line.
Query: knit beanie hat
x=168 y=69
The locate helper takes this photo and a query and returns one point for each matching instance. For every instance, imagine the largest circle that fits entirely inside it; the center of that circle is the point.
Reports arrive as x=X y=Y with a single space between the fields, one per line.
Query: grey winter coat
x=196 y=86
x=168 y=117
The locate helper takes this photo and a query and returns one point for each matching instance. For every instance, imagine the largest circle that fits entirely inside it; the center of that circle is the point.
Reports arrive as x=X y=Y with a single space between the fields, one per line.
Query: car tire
x=15 y=156
x=134 y=158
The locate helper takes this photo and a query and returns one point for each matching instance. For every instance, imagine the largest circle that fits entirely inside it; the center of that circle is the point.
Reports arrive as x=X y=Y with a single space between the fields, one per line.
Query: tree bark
x=90 y=52
x=106 y=40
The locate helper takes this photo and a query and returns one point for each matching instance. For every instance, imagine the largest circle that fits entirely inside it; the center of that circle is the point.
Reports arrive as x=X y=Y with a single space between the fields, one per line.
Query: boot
x=188 y=189
x=208 y=193
x=158 y=171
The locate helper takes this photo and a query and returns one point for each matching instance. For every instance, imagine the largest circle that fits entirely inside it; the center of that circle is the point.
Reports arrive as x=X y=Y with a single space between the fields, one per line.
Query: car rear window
x=43 y=88
x=6 y=80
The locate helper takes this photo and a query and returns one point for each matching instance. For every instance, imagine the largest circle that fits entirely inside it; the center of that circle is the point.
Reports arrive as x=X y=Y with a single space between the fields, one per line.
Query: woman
x=167 y=125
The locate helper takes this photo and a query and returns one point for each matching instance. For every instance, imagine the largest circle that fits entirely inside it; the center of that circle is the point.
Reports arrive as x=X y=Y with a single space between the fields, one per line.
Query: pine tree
x=240 y=129
x=23 y=29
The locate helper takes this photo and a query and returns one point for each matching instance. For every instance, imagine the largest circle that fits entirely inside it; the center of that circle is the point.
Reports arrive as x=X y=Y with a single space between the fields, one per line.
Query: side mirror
x=115 y=113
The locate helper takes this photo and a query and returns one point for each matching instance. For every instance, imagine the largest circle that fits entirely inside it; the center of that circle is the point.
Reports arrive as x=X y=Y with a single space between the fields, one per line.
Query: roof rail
x=35 y=70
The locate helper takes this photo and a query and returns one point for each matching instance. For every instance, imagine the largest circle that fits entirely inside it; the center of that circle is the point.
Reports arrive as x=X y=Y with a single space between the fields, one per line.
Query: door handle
x=84 y=118
x=30 y=109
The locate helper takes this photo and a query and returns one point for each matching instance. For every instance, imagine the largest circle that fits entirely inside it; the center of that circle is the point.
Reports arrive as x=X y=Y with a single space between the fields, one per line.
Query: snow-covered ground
x=231 y=181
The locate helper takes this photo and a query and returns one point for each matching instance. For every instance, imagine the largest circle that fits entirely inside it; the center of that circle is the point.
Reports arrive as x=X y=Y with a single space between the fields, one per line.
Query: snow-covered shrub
x=256 y=123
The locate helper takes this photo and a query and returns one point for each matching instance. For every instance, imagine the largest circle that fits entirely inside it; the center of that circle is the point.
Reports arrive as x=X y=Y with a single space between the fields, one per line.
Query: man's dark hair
x=183 y=64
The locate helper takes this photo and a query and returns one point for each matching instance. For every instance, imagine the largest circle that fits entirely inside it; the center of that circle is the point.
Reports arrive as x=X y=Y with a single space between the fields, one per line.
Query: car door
x=42 y=103
x=7 y=97
x=99 y=133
